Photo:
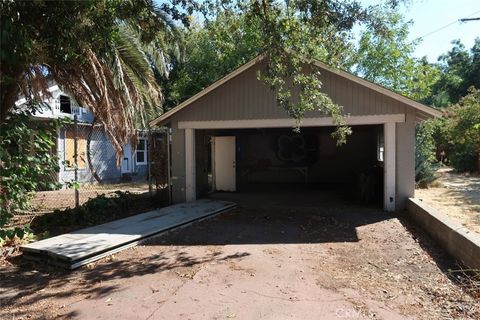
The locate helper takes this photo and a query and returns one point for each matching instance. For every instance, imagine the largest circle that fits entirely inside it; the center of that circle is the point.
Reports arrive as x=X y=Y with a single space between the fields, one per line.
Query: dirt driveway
x=260 y=261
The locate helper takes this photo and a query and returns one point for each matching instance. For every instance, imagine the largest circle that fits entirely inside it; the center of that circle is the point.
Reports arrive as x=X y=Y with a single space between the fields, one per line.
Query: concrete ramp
x=72 y=250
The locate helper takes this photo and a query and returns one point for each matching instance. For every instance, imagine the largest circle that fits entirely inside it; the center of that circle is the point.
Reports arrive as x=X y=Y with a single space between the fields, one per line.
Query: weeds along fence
x=88 y=168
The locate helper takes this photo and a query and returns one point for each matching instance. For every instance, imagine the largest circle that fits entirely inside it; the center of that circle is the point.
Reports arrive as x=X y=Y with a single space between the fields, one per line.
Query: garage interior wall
x=348 y=161
x=279 y=156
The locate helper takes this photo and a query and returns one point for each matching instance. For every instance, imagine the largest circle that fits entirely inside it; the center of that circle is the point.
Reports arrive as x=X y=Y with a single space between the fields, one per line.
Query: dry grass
x=457 y=196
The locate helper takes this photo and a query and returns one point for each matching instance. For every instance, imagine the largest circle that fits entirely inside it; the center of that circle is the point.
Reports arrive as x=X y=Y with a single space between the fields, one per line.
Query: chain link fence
x=88 y=167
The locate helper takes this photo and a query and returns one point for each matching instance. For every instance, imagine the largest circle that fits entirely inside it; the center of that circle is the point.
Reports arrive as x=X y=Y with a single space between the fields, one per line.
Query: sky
x=430 y=15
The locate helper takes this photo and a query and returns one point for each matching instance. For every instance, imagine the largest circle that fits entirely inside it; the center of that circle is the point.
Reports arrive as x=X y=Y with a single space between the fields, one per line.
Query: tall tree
x=213 y=49
x=385 y=56
x=289 y=34
x=460 y=70
x=79 y=43
x=89 y=47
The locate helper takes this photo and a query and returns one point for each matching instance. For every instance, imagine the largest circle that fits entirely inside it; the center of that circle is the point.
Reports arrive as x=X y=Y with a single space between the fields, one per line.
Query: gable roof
x=425 y=111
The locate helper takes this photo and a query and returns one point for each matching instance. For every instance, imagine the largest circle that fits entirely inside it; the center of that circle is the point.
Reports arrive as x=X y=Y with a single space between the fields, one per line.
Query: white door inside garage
x=224 y=163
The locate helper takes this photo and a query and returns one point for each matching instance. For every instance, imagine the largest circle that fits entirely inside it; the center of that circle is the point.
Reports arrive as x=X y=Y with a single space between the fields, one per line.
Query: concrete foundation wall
x=460 y=242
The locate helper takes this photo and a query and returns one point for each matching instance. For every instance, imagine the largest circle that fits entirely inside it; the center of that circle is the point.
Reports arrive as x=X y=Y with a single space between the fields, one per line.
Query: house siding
x=245 y=97
x=405 y=160
x=103 y=159
x=178 y=165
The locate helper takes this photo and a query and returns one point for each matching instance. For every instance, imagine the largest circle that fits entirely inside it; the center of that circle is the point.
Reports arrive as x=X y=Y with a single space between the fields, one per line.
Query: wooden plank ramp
x=72 y=250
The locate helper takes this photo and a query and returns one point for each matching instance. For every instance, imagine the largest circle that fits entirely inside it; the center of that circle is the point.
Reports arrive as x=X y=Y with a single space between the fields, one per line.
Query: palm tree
x=105 y=53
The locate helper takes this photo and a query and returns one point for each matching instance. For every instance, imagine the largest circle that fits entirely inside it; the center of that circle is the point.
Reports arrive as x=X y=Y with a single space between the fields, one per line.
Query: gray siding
x=103 y=159
x=201 y=162
x=245 y=97
x=405 y=160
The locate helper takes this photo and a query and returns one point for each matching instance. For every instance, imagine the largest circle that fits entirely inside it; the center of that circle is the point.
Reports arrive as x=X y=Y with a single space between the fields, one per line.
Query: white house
x=103 y=162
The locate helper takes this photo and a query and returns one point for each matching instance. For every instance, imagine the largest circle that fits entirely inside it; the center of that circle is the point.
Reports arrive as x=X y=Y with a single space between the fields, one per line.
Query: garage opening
x=278 y=160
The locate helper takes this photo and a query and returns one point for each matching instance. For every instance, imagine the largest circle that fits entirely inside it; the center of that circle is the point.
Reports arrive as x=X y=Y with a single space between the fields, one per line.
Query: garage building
x=232 y=136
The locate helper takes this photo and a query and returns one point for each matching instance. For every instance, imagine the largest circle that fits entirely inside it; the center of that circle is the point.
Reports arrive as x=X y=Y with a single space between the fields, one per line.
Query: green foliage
x=292 y=35
x=384 y=56
x=460 y=70
x=95 y=211
x=24 y=234
x=212 y=51
x=104 y=53
x=463 y=132
x=26 y=159
x=288 y=34
x=426 y=164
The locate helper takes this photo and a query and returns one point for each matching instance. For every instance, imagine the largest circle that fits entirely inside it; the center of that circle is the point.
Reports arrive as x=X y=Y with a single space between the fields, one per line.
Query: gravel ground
x=263 y=260
x=457 y=196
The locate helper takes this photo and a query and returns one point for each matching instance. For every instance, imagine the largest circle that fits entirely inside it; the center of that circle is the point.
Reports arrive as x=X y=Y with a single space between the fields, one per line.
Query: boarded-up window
x=70 y=150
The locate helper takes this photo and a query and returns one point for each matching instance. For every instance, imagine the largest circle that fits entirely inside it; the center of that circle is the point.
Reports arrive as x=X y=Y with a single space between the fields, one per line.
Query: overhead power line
x=450 y=24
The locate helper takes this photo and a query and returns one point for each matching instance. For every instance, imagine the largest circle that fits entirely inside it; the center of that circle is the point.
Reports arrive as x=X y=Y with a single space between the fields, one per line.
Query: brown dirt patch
x=457 y=196
x=271 y=262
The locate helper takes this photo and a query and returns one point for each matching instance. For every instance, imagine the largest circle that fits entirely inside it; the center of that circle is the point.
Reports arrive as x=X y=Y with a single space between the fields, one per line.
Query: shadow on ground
x=35 y=283
x=257 y=220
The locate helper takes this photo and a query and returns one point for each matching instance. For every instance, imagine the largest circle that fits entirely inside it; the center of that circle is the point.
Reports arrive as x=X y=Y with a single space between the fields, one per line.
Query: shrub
x=12 y=234
x=426 y=164
x=26 y=159
x=463 y=130
x=95 y=211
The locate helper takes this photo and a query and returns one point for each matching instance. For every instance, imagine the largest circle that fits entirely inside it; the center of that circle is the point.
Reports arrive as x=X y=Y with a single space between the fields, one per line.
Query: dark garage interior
x=279 y=159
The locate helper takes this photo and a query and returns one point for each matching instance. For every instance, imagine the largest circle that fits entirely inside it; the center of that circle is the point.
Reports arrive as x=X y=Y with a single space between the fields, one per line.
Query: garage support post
x=190 y=177
x=389 y=167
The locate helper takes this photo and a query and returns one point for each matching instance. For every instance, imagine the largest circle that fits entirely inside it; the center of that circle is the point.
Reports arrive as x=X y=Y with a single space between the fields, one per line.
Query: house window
x=142 y=151
x=70 y=151
x=380 y=147
x=65 y=104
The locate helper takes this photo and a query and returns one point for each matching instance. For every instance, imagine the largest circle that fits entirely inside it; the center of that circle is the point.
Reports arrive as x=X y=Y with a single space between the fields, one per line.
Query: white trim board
x=389 y=191
x=288 y=122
